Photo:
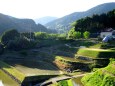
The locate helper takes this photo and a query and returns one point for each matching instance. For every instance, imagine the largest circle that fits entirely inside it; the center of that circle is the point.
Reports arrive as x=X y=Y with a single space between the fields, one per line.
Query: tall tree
x=9 y=35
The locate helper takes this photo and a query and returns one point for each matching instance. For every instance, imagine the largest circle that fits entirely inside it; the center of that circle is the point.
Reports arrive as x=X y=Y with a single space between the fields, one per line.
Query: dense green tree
x=96 y=23
x=70 y=33
x=20 y=44
x=73 y=34
x=86 y=34
x=77 y=34
x=9 y=35
x=1 y=49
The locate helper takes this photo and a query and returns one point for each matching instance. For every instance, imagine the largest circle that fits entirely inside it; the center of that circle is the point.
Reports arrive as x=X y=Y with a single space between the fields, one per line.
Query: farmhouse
x=108 y=32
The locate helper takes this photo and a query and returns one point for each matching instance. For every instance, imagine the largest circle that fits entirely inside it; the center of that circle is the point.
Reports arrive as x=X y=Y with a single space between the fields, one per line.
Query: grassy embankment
x=96 y=53
x=25 y=74
x=101 y=77
x=11 y=70
x=7 y=80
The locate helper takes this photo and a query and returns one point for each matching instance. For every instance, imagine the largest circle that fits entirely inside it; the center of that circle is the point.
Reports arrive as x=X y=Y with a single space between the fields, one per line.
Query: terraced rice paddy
x=6 y=80
x=33 y=68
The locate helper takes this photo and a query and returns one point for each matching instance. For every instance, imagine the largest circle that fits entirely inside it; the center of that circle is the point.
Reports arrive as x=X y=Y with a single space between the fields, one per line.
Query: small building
x=109 y=32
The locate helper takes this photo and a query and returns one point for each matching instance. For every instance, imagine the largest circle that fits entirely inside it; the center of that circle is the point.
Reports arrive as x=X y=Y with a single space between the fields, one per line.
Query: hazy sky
x=40 y=8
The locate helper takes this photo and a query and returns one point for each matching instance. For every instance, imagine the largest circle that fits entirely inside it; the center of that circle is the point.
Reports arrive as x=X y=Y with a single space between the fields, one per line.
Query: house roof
x=108 y=30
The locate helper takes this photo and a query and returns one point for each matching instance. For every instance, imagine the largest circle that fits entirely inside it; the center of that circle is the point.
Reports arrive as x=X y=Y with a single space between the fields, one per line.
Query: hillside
x=22 y=25
x=63 y=24
x=101 y=77
x=44 y=20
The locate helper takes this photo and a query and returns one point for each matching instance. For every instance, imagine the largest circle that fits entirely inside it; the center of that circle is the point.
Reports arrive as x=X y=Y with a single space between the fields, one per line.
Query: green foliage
x=16 y=41
x=96 y=46
x=20 y=43
x=96 y=23
x=1 y=48
x=65 y=83
x=108 y=80
x=112 y=60
x=70 y=33
x=52 y=36
x=86 y=34
x=101 y=77
x=61 y=36
x=73 y=24
x=46 y=36
x=77 y=34
x=9 y=35
x=65 y=59
x=73 y=34
x=41 y=35
x=20 y=76
x=7 y=80
x=104 y=46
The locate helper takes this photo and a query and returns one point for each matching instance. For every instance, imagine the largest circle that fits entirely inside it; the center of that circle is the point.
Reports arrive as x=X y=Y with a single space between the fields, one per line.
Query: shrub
x=77 y=34
x=63 y=83
x=86 y=34
x=74 y=34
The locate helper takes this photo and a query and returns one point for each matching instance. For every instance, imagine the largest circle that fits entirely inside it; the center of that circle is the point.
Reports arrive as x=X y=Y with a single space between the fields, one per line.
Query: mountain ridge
x=63 y=24
x=22 y=25
x=44 y=20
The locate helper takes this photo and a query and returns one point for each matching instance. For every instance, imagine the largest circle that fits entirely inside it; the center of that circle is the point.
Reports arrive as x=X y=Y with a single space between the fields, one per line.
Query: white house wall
x=103 y=34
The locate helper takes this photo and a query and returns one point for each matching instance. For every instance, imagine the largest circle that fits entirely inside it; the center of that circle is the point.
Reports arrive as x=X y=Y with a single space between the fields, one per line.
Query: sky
x=40 y=8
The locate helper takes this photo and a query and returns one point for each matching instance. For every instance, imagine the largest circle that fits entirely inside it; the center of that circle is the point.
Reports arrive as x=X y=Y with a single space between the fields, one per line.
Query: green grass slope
x=96 y=53
x=7 y=80
x=11 y=70
x=101 y=77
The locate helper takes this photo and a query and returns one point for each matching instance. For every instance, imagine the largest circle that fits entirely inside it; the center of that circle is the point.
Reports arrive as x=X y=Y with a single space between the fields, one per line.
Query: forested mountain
x=22 y=25
x=45 y=20
x=96 y=23
x=63 y=24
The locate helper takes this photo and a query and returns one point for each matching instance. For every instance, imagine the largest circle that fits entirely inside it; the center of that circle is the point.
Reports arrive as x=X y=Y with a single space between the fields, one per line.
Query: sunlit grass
x=7 y=80
x=20 y=76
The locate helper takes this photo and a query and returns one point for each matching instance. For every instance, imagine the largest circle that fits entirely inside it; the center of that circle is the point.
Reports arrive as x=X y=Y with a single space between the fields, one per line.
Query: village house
x=109 y=32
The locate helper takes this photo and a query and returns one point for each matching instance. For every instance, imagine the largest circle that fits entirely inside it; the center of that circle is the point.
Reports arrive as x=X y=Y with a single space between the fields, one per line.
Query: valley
x=39 y=64
x=75 y=50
